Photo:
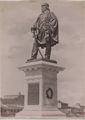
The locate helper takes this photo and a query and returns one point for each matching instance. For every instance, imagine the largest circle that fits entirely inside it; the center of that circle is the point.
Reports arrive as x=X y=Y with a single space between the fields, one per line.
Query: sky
x=16 y=19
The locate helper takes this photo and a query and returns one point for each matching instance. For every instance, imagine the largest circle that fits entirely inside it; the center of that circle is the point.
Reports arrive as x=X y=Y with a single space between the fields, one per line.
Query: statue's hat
x=45 y=4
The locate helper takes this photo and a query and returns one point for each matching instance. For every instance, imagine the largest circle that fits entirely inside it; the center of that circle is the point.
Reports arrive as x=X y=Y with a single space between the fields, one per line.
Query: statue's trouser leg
x=34 y=50
x=48 y=50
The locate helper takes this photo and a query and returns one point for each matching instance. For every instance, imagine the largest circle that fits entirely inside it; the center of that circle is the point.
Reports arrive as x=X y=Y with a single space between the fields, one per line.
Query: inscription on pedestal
x=33 y=93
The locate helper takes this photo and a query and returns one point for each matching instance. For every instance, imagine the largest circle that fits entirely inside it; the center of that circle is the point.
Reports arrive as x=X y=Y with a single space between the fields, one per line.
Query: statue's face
x=43 y=8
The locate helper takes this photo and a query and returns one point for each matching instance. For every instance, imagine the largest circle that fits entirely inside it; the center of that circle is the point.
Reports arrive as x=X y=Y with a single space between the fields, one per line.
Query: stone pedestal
x=41 y=89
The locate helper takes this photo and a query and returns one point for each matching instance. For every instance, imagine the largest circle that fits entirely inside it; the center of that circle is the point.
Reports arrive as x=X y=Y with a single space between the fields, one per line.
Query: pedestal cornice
x=40 y=64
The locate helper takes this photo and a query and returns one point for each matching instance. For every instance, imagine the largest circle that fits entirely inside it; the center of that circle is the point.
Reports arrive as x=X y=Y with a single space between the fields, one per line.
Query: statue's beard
x=44 y=10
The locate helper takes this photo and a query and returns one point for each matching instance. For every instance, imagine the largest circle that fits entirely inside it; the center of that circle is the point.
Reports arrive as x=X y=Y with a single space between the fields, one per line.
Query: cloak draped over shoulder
x=47 y=25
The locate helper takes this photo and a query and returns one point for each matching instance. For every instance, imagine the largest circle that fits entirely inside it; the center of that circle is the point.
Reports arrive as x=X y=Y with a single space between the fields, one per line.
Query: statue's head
x=44 y=7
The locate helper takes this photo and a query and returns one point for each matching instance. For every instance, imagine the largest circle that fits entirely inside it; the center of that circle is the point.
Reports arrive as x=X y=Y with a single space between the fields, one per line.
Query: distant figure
x=45 y=32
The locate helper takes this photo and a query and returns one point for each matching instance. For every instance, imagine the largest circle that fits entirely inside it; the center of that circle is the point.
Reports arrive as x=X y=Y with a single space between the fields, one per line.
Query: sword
x=33 y=29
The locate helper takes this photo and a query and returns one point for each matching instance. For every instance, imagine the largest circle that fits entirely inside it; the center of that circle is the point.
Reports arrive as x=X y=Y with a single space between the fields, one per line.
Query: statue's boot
x=28 y=60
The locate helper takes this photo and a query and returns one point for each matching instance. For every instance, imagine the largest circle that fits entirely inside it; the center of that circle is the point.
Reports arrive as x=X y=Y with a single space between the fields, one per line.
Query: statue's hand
x=57 y=41
x=33 y=29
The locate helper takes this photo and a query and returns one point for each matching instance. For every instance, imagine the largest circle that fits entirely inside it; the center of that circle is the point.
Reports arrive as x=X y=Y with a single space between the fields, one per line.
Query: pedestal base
x=40 y=114
x=41 y=90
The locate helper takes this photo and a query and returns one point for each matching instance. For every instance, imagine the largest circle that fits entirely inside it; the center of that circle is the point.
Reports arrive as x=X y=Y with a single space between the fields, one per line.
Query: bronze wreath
x=49 y=93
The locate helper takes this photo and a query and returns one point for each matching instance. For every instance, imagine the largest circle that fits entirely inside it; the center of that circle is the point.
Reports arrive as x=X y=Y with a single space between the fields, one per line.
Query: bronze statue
x=45 y=32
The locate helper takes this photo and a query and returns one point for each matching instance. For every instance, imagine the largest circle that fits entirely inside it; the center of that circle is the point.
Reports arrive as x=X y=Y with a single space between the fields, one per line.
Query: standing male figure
x=45 y=31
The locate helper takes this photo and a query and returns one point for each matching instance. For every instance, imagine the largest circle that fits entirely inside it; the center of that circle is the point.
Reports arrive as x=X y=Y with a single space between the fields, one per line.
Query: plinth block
x=41 y=89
